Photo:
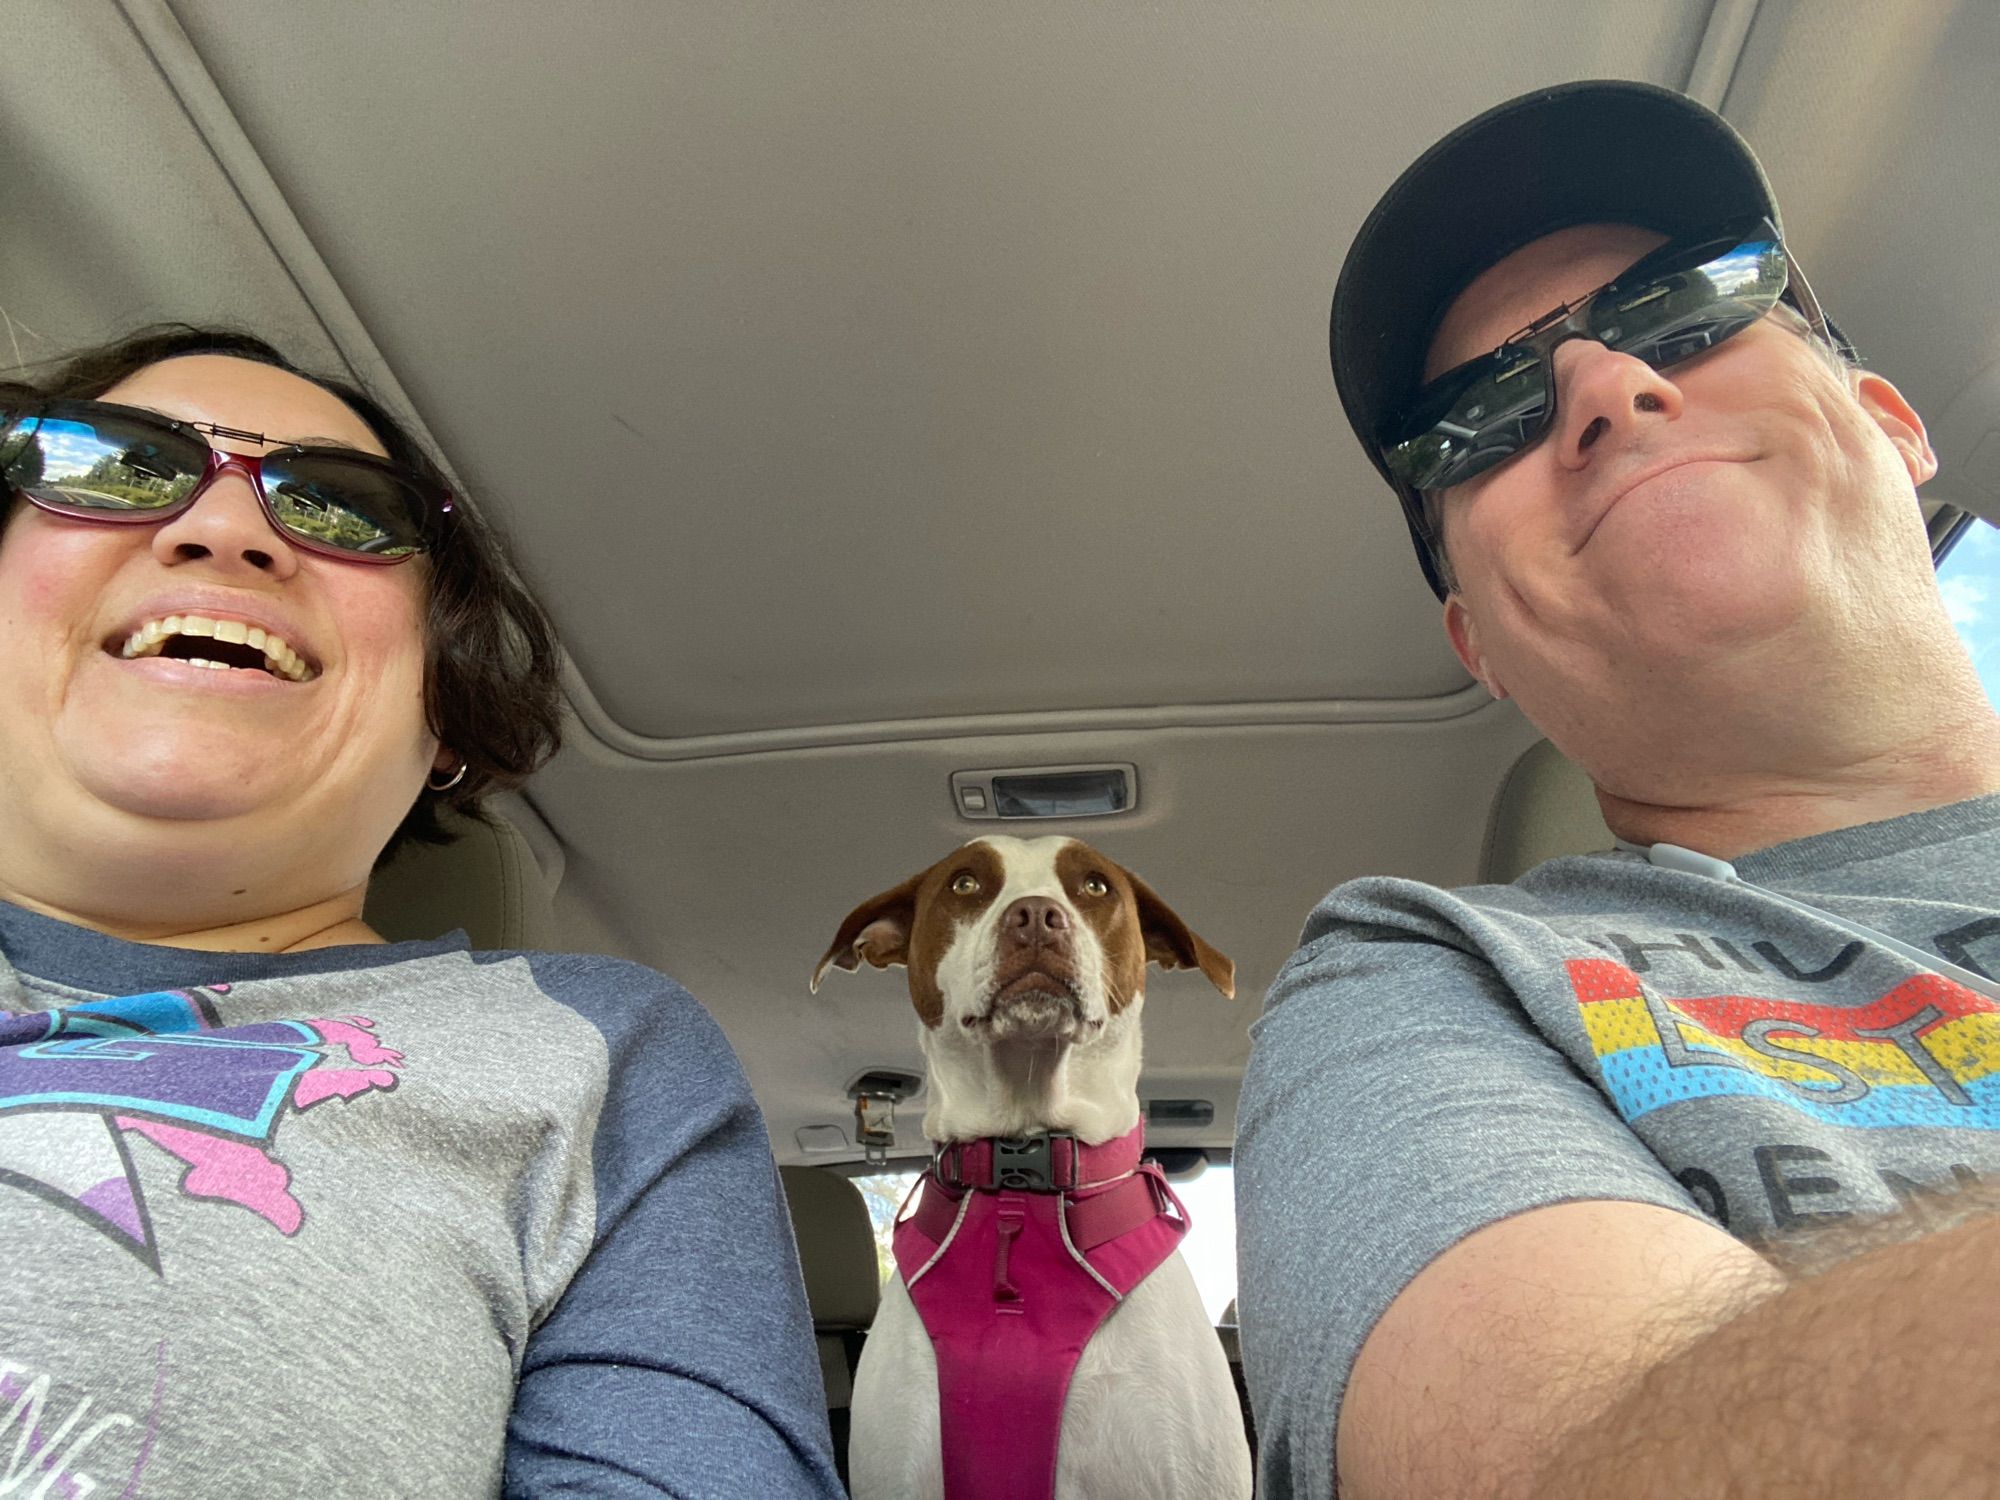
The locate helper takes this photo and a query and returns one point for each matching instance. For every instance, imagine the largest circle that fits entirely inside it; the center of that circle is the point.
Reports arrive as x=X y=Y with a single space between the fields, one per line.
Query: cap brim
x=1600 y=151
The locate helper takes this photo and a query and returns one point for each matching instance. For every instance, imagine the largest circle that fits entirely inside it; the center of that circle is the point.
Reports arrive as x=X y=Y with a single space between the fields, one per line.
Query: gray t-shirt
x=1430 y=1062
x=374 y=1221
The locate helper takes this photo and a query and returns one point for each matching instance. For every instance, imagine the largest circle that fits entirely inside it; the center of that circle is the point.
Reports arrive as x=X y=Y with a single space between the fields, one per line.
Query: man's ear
x=877 y=930
x=1171 y=944
x=1463 y=632
x=1899 y=420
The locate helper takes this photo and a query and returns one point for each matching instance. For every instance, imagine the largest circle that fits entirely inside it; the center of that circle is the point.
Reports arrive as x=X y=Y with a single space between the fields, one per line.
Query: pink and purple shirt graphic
x=162 y=1067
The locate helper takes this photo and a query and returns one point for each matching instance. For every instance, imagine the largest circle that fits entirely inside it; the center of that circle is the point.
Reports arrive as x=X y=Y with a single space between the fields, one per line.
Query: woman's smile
x=222 y=643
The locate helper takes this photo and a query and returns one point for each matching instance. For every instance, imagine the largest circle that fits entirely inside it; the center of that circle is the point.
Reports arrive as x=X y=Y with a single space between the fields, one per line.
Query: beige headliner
x=878 y=390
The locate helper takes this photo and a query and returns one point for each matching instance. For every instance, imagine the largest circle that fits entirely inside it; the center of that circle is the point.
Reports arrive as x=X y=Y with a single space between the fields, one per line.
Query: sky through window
x=1970 y=583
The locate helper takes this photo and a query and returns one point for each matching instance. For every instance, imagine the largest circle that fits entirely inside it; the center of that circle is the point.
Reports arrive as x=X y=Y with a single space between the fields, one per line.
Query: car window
x=1209 y=1249
x=1969 y=579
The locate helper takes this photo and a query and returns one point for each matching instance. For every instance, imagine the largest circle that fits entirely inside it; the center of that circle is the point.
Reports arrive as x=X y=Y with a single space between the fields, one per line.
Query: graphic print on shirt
x=78 y=1083
x=1926 y=1053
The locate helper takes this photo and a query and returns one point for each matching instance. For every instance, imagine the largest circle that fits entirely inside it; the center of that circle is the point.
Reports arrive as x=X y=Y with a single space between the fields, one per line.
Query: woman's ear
x=1899 y=421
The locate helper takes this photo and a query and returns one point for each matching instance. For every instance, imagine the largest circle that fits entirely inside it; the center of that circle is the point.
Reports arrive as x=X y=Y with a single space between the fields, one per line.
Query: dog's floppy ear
x=877 y=930
x=1172 y=944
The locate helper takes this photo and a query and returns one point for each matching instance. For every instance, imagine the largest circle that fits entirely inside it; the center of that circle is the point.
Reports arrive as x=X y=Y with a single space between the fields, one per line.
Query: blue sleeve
x=680 y=1359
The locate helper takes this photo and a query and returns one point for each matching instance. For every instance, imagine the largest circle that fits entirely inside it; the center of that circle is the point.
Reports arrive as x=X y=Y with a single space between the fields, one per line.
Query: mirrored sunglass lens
x=101 y=465
x=1467 y=427
x=1675 y=316
x=350 y=507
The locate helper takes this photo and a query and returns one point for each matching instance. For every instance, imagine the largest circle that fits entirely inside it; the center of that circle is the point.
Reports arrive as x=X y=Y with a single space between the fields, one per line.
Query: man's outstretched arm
x=1878 y=1375
x=1598 y=1348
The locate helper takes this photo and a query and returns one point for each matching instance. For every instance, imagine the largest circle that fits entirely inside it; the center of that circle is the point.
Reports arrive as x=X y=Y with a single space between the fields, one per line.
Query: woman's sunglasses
x=97 y=461
x=1683 y=298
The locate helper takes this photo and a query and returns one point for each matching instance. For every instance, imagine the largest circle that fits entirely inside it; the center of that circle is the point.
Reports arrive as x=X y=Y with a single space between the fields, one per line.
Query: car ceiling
x=876 y=391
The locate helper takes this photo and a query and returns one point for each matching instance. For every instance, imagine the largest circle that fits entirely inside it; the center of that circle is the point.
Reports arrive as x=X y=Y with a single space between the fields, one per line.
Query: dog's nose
x=1035 y=922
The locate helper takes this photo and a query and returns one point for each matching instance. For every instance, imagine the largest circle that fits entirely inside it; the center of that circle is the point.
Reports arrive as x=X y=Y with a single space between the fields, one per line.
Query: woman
x=286 y=1208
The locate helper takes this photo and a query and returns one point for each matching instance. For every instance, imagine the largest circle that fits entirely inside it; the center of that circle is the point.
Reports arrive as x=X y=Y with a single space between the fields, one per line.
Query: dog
x=1026 y=964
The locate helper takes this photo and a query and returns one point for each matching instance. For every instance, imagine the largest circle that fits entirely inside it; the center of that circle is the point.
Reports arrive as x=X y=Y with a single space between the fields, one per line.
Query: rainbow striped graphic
x=1927 y=1053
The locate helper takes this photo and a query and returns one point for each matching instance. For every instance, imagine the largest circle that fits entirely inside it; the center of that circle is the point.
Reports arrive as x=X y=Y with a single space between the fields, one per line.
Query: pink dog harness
x=1017 y=1251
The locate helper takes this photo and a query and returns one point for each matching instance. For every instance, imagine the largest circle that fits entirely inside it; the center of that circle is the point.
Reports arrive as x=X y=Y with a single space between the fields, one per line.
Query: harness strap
x=937 y=1206
x=1118 y=1209
x=1094 y=1216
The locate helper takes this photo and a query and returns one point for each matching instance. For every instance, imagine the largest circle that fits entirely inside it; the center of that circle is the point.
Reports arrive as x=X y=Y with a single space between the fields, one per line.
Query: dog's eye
x=963 y=884
x=1095 y=885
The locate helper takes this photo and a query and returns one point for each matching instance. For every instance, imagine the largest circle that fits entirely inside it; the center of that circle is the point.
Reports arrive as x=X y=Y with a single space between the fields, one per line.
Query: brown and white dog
x=1027 y=969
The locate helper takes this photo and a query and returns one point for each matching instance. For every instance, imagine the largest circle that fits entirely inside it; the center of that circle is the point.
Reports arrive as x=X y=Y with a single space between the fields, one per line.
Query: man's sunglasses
x=1681 y=299
x=97 y=461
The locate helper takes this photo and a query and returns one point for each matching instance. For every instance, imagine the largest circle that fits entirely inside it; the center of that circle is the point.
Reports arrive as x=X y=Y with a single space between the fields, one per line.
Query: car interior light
x=1046 y=792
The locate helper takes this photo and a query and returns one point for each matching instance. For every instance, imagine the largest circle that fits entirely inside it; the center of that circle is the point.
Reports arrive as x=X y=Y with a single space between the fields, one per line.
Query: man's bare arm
x=1878 y=1375
x=1614 y=1348
x=1521 y=1332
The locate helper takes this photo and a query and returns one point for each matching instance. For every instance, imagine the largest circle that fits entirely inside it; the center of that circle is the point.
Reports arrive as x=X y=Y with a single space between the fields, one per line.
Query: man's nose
x=226 y=525
x=1602 y=395
x=1036 y=922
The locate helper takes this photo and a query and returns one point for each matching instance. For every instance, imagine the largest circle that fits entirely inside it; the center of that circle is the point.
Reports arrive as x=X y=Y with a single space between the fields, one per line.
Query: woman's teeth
x=151 y=639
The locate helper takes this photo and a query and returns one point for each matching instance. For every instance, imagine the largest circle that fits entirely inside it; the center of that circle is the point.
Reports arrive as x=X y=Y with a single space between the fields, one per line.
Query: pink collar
x=1036 y=1163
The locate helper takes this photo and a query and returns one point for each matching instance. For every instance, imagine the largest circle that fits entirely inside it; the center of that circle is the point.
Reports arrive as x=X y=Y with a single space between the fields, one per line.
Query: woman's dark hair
x=492 y=684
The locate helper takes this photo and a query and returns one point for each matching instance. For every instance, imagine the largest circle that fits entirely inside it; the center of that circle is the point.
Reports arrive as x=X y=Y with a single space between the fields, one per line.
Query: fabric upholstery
x=843 y=1276
x=487 y=882
x=1546 y=806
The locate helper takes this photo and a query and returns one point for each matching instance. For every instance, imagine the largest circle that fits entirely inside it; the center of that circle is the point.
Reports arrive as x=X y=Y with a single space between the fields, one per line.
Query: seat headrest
x=1546 y=806
x=487 y=882
x=836 y=1247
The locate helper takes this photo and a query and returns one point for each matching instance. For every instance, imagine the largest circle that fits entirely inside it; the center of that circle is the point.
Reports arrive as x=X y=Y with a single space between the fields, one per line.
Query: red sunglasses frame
x=251 y=466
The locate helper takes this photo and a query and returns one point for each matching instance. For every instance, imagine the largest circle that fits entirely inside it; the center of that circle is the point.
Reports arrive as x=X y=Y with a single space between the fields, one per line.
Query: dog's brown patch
x=1113 y=916
x=913 y=923
x=1135 y=926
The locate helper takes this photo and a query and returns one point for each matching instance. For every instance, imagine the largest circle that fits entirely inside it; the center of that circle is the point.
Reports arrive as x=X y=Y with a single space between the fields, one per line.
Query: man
x=1645 y=1176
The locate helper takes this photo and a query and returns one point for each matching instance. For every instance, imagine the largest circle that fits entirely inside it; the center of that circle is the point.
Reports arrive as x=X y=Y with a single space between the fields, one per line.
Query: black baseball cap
x=1604 y=151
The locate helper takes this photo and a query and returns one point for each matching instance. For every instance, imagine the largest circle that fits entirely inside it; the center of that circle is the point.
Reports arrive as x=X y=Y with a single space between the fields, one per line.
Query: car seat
x=487 y=882
x=1545 y=807
x=843 y=1281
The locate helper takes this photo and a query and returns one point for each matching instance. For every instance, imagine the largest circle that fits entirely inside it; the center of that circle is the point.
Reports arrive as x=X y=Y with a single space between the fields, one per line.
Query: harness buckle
x=1025 y=1164
x=1028 y=1163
